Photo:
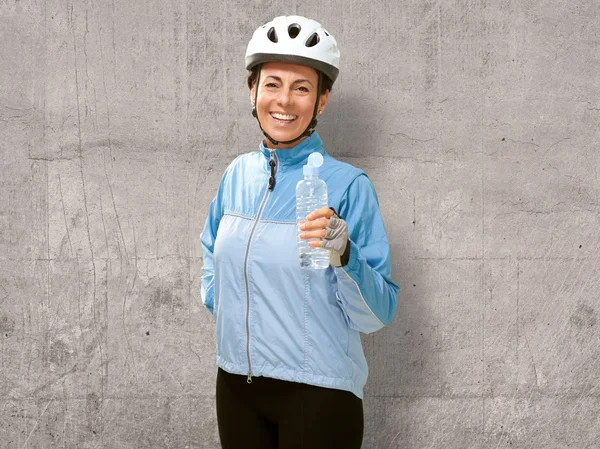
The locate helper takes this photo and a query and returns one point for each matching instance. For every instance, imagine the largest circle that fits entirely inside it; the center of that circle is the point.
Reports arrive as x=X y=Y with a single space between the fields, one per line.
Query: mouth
x=283 y=118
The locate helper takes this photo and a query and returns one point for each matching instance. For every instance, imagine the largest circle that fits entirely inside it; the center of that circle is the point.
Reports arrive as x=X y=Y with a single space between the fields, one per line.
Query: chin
x=283 y=136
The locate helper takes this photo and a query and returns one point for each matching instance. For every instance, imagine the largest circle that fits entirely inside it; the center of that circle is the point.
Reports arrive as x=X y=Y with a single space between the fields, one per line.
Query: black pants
x=275 y=414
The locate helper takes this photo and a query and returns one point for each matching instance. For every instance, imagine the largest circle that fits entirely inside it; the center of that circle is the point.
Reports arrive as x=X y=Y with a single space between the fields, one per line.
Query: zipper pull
x=272 y=164
x=249 y=380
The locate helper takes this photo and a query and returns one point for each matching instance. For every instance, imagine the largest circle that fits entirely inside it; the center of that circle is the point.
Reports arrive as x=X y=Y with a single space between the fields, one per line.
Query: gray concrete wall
x=478 y=123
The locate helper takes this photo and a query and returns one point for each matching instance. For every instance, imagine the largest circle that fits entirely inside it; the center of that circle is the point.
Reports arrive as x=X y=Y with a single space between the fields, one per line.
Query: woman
x=291 y=365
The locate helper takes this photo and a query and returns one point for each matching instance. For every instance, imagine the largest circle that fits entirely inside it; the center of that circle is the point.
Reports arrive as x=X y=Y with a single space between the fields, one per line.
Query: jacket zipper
x=273 y=163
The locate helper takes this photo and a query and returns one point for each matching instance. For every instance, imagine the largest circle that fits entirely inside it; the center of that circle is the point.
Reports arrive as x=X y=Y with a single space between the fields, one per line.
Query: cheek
x=262 y=105
x=308 y=109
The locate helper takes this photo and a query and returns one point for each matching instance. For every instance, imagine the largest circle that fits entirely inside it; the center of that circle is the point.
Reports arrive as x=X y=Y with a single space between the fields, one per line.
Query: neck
x=282 y=146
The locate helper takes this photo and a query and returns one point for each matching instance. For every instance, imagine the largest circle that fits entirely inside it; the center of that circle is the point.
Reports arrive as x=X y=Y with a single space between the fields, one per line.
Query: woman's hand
x=328 y=231
x=316 y=226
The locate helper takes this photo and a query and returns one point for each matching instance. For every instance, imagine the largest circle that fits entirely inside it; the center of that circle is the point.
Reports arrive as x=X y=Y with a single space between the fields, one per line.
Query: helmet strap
x=311 y=126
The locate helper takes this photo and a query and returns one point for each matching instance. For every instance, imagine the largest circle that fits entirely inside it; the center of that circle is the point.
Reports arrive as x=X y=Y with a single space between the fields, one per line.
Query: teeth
x=283 y=116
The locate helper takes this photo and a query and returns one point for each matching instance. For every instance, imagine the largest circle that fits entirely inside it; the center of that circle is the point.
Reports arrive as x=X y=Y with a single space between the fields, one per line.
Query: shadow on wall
x=402 y=356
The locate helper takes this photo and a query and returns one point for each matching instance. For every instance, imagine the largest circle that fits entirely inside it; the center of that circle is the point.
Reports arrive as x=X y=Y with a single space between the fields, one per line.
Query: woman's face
x=286 y=100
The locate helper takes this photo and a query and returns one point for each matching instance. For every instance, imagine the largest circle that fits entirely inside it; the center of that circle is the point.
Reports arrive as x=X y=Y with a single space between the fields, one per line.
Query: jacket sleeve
x=207 y=239
x=366 y=291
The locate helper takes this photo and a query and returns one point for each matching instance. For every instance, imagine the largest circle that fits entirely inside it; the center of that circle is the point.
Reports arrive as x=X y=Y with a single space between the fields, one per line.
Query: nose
x=284 y=97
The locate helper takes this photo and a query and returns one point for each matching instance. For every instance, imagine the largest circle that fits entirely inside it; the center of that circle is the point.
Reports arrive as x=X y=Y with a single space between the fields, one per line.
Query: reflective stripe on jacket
x=274 y=319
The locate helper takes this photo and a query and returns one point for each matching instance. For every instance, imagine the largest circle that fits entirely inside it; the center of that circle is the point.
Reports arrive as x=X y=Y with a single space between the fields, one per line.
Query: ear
x=323 y=101
x=253 y=94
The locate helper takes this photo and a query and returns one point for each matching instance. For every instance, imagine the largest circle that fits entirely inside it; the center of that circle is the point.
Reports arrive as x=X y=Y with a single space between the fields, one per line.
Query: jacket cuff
x=344 y=258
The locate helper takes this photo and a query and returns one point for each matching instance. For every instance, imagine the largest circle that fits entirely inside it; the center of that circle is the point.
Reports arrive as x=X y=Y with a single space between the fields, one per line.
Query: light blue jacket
x=274 y=319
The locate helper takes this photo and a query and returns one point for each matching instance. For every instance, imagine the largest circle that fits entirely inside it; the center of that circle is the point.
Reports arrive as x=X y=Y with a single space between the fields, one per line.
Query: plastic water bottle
x=311 y=194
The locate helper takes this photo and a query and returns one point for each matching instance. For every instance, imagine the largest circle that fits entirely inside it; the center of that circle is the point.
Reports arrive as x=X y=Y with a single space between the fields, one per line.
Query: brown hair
x=326 y=83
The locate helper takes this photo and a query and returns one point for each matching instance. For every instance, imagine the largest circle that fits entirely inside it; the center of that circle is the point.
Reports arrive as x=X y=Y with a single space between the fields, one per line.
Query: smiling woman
x=291 y=366
x=285 y=101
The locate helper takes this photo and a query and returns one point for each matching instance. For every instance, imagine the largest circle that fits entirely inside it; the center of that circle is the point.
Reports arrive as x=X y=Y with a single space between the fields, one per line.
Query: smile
x=283 y=117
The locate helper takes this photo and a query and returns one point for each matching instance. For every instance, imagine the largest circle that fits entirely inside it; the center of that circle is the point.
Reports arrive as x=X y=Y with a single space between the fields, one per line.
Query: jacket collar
x=296 y=155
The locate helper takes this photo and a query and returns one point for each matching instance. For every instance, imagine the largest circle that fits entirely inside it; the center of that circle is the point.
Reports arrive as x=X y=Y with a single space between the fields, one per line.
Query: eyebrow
x=295 y=82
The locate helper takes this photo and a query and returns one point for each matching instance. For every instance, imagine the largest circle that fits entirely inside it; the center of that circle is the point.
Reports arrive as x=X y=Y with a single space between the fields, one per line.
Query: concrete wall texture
x=478 y=122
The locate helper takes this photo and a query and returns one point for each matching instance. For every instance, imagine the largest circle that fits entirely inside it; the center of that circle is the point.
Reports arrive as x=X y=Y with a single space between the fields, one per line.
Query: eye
x=303 y=89
x=270 y=85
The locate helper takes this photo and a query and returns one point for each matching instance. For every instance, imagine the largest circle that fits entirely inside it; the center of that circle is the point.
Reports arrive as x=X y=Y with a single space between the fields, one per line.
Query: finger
x=321 y=223
x=315 y=243
x=319 y=234
x=323 y=212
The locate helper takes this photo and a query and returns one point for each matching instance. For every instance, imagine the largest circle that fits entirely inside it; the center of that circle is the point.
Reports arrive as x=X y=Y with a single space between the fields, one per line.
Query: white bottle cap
x=315 y=160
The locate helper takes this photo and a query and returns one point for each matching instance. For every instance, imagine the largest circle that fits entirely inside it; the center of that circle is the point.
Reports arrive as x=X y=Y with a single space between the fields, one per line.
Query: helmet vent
x=272 y=35
x=313 y=40
x=326 y=33
x=294 y=30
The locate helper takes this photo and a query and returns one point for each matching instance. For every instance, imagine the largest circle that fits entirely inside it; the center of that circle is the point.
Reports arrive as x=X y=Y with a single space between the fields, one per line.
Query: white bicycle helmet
x=294 y=39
